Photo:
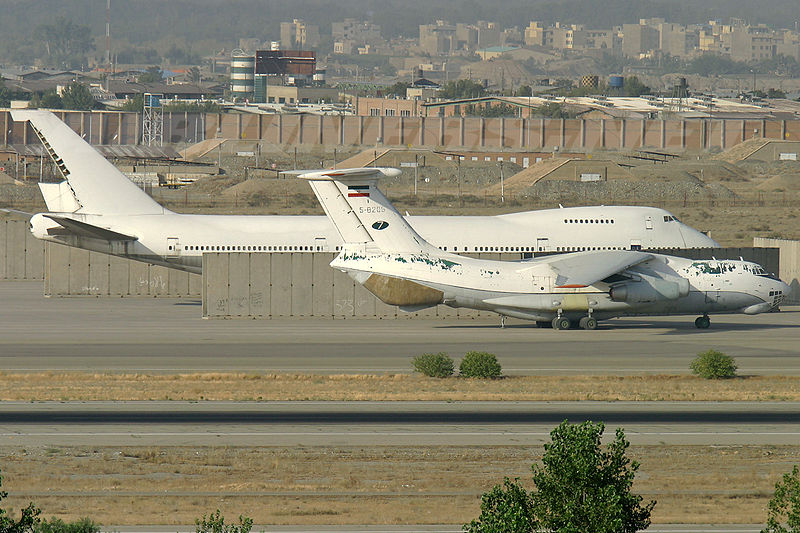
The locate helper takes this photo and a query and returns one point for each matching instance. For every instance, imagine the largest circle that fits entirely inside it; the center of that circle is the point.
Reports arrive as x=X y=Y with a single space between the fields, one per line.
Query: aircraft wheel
x=561 y=323
x=702 y=322
x=588 y=323
x=544 y=324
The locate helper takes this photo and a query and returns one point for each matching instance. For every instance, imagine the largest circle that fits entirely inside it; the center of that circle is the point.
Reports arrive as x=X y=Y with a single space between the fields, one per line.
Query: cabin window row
x=204 y=248
x=588 y=221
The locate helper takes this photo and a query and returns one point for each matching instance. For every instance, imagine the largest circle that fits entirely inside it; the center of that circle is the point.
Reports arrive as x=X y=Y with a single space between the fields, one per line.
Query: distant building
x=359 y=33
x=299 y=34
x=438 y=39
x=639 y=39
x=388 y=107
x=493 y=52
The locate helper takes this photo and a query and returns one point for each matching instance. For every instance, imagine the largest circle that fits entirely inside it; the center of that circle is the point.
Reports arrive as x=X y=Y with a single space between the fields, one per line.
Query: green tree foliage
x=634 y=87
x=524 y=90
x=194 y=75
x=179 y=56
x=775 y=93
x=77 y=96
x=66 y=43
x=152 y=75
x=492 y=110
x=582 y=487
x=135 y=104
x=712 y=64
x=480 y=365
x=215 y=523
x=56 y=525
x=434 y=365
x=29 y=517
x=712 y=364
x=462 y=89
x=48 y=100
x=507 y=508
x=579 y=487
x=398 y=89
x=784 y=507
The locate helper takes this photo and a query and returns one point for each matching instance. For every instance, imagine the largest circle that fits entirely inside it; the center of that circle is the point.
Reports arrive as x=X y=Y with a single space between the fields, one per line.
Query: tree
x=784 y=507
x=634 y=87
x=194 y=75
x=66 y=43
x=134 y=104
x=504 y=509
x=29 y=517
x=77 y=96
x=775 y=93
x=462 y=89
x=152 y=75
x=581 y=487
x=398 y=89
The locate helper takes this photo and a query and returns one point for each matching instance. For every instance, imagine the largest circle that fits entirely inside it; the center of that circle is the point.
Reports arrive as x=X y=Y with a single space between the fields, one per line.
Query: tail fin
x=97 y=185
x=361 y=213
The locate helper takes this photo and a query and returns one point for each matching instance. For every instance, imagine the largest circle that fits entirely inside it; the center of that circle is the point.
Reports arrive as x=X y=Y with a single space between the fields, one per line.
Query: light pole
x=502 y=187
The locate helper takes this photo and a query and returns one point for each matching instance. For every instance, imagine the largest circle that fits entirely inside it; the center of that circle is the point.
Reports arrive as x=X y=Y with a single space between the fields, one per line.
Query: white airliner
x=384 y=253
x=97 y=208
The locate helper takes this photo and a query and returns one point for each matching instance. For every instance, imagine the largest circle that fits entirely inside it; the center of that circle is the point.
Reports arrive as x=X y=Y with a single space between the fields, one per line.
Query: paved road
x=168 y=335
x=387 y=423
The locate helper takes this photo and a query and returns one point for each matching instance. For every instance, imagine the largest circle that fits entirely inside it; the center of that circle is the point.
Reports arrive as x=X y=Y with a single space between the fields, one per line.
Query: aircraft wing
x=74 y=227
x=16 y=212
x=582 y=269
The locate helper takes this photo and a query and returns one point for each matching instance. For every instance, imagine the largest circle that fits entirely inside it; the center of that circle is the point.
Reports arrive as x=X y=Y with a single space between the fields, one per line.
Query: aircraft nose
x=696 y=239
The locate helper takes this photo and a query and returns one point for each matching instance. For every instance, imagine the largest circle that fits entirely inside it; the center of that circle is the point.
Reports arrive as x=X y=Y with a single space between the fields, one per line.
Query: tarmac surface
x=165 y=335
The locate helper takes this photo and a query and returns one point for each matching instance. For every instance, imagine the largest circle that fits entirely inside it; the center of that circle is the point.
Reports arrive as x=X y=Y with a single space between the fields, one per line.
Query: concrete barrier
x=21 y=254
x=788 y=268
x=264 y=285
x=75 y=272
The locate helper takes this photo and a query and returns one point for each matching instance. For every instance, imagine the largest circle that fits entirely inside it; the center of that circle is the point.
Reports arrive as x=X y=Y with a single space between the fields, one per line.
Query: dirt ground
x=363 y=485
x=389 y=387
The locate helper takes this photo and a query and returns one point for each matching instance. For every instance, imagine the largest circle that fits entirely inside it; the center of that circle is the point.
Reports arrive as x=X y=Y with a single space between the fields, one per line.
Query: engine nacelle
x=650 y=290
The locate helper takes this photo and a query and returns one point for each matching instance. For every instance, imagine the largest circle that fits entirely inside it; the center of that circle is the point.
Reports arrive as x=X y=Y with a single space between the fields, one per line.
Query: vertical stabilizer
x=361 y=213
x=98 y=186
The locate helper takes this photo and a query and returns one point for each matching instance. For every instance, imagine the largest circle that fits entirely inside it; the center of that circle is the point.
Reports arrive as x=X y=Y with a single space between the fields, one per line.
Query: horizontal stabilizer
x=582 y=269
x=82 y=229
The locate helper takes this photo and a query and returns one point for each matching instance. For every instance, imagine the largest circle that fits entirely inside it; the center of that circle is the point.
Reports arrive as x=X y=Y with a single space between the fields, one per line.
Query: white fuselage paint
x=528 y=290
x=179 y=240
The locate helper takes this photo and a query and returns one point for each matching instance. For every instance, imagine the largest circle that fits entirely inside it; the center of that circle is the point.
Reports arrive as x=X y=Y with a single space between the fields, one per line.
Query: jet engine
x=648 y=290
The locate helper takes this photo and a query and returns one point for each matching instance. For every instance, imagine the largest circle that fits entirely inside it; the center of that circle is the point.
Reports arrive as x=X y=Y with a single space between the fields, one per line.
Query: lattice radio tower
x=153 y=120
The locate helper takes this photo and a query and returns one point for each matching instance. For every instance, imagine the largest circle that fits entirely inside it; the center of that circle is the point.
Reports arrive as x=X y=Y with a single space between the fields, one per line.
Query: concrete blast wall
x=76 y=272
x=264 y=285
x=789 y=268
x=21 y=254
x=112 y=127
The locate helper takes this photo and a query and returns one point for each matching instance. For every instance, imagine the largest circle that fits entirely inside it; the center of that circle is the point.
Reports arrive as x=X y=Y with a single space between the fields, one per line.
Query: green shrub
x=56 y=525
x=215 y=523
x=712 y=364
x=480 y=365
x=434 y=365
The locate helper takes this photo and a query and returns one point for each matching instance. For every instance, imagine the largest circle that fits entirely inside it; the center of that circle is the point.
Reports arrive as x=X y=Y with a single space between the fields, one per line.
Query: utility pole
x=502 y=190
x=416 y=172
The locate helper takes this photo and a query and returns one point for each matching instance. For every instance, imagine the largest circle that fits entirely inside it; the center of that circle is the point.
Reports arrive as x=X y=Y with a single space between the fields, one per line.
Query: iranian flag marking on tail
x=354 y=191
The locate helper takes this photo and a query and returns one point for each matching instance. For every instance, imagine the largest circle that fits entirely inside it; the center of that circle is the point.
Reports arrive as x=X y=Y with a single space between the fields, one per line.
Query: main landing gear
x=562 y=322
x=702 y=322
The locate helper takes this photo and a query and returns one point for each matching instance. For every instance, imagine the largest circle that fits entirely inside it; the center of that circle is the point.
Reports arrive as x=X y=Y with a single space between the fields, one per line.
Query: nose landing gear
x=702 y=322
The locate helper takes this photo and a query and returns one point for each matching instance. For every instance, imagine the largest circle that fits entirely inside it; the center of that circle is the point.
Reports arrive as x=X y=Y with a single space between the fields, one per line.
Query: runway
x=387 y=423
x=167 y=335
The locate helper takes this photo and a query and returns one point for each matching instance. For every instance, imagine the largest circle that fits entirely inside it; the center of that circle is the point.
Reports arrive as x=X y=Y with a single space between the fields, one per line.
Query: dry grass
x=388 y=387
x=362 y=485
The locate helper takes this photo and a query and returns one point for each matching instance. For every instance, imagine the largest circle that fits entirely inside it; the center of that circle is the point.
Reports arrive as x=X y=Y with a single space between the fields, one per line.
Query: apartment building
x=299 y=35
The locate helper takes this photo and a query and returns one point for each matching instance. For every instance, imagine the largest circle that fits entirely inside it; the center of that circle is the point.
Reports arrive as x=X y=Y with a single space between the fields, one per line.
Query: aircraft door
x=648 y=222
x=542 y=245
x=712 y=297
x=173 y=247
x=320 y=244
